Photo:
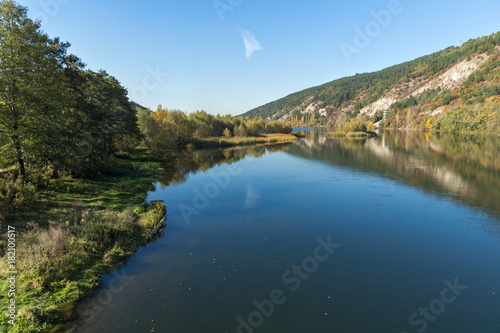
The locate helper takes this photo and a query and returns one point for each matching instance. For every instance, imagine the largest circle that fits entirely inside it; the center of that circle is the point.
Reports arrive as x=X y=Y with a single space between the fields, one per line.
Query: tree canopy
x=53 y=112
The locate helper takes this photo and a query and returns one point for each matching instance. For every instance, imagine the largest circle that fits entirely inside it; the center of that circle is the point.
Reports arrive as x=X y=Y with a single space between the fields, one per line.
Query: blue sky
x=181 y=54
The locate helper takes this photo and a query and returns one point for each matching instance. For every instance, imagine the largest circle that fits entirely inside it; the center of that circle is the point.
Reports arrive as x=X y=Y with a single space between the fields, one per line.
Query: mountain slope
x=464 y=75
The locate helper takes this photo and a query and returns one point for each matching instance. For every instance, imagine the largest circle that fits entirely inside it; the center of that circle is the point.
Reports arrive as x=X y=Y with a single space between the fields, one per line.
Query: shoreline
x=438 y=131
x=222 y=142
x=93 y=236
x=87 y=211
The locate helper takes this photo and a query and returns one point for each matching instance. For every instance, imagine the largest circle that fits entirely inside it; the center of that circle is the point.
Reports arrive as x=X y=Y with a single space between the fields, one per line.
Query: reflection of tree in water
x=177 y=169
x=353 y=143
x=464 y=167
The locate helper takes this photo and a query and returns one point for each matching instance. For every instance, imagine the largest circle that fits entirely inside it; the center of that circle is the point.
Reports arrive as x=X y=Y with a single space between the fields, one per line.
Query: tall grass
x=59 y=264
x=243 y=141
x=80 y=230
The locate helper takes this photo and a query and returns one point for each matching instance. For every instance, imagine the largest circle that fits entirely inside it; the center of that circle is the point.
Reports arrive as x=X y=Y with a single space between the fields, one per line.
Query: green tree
x=156 y=138
x=241 y=131
x=32 y=89
x=180 y=126
x=227 y=133
x=254 y=126
x=354 y=126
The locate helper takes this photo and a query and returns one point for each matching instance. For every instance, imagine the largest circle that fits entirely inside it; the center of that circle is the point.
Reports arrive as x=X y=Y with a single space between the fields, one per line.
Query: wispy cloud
x=252 y=198
x=251 y=43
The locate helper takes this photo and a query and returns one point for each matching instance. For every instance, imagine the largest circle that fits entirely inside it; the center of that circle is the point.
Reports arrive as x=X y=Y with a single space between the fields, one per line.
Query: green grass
x=75 y=232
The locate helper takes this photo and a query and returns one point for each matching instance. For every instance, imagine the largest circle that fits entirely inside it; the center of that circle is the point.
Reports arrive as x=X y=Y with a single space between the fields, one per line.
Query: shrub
x=255 y=126
x=354 y=126
x=227 y=133
x=153 y=218
x=15 y=195
x=278 y=127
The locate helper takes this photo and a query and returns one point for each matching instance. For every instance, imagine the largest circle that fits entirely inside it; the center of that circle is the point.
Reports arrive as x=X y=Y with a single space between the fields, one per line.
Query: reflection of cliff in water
x=176 y=170
x=465 y=168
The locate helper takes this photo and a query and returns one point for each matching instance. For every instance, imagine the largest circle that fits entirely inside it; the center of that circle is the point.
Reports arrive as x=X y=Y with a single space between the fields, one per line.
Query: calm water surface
x=415 y=222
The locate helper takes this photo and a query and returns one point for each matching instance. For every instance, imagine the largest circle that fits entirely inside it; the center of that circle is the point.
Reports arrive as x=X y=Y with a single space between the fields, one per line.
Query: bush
x=153 y=218
x=15 y=195
x=255 y=126
x=227 y=133
x=278 y=127
x=354 y=126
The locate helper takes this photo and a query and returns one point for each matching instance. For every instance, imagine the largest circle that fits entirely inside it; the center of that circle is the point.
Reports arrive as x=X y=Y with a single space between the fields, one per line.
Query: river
x=399 y=233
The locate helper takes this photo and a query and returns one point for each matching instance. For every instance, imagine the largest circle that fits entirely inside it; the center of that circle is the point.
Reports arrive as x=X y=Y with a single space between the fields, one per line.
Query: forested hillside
x=466 y=76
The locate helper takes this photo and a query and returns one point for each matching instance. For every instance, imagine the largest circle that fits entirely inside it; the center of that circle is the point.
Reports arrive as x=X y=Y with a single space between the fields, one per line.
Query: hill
x=422 y=93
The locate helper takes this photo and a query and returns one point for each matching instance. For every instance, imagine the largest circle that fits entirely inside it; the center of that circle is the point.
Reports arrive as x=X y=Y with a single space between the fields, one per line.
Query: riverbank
x=355 y=135
x=440 y=132
x=222 y=142
x=75 y=231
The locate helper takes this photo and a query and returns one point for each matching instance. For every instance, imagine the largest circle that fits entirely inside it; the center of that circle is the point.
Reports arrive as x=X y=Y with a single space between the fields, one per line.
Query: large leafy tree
x=104 y=118
x=32 y=88
x=115 y=119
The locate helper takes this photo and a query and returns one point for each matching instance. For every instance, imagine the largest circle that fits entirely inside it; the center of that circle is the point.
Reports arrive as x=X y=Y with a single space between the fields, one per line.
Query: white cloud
x=251 y=43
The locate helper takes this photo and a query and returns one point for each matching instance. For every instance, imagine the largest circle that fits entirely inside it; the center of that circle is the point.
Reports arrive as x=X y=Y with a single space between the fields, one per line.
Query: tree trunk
x=54 y=172
x=19 y=153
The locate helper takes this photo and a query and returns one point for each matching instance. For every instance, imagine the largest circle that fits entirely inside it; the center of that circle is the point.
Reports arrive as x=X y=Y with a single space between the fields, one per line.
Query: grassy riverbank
x=264 y=139
x=75 y=231
x=354 y=135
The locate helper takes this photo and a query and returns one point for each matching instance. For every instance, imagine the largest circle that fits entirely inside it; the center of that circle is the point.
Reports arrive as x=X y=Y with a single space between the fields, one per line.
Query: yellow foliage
x=428 y=125
x=370 y=127
x=160 y=114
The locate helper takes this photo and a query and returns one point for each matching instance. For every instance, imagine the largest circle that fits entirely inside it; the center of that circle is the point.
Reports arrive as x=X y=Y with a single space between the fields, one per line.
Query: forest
x=59 y=119
x=77 y=158
x=355 y=92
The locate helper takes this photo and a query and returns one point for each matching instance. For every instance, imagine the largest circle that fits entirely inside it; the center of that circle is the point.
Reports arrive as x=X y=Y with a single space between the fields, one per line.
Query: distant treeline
x=57 y=116
x=165 y=131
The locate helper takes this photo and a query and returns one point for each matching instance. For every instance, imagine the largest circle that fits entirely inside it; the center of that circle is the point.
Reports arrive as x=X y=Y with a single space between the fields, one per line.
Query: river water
x=399 y=233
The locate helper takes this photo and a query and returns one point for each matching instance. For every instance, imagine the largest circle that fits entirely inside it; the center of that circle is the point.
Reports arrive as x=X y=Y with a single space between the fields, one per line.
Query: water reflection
x=398 y=242
x=184 y=163
x=463 y=167
x=466 y=168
